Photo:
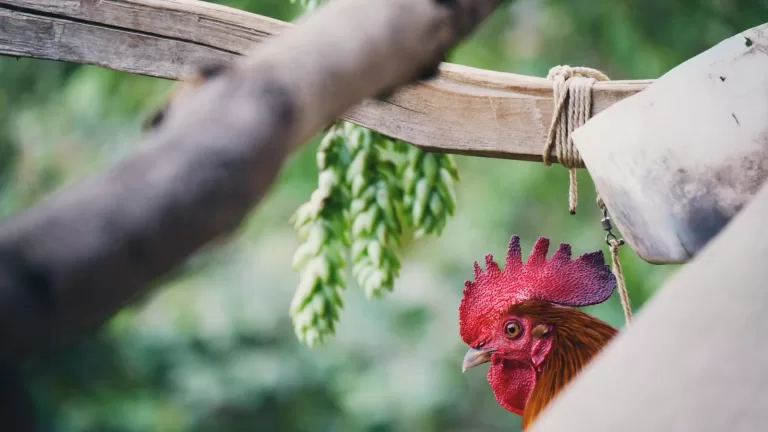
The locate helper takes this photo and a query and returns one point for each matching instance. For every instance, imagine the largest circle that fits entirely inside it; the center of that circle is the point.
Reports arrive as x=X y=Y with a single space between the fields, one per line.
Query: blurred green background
x=212 y=348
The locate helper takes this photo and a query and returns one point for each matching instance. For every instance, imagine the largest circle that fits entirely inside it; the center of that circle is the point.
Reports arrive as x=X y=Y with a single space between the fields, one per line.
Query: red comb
x=587 y=280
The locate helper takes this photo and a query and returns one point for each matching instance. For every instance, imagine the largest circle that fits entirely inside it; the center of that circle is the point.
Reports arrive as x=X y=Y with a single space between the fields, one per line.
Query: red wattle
x=512 y=383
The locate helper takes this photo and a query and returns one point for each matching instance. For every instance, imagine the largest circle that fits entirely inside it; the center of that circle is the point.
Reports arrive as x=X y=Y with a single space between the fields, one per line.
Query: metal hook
x=611 y=237
x=608 y=227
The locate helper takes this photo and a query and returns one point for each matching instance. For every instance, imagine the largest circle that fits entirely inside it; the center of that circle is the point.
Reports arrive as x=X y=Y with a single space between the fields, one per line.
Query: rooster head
x=515 y=343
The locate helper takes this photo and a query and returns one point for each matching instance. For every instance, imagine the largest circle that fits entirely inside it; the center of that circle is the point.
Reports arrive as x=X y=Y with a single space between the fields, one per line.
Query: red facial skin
x=516 y=360
x=553 y=344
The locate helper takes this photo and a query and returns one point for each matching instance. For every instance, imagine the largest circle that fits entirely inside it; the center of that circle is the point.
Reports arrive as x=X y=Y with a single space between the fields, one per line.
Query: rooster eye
x=513 y=329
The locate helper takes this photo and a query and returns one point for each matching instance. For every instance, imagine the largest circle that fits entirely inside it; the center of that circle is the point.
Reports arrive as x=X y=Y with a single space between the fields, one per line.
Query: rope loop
x=572 y=92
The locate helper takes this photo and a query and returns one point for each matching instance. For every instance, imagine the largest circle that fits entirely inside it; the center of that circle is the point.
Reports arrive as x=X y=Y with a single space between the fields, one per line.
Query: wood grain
x=464 y=110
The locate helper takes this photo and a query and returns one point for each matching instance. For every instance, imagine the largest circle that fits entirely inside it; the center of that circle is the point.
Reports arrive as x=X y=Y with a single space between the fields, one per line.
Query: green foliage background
x=213 y=348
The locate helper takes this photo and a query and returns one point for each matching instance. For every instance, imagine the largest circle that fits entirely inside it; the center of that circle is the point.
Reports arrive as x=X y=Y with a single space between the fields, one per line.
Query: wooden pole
x=464 y=110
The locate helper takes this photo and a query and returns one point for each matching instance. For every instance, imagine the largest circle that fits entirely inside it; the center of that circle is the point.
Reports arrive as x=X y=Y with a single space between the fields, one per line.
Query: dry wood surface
x=464 y=110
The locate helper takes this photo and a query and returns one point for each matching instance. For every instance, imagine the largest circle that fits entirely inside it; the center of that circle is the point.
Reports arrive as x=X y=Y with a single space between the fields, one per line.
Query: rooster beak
x=476 y=357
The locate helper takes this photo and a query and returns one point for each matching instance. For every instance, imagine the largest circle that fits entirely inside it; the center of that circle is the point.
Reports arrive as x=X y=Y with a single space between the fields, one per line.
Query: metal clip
x=608 y=227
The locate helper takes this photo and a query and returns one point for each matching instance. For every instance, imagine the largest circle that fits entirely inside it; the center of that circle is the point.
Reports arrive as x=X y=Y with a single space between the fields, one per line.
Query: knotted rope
x=572 y=91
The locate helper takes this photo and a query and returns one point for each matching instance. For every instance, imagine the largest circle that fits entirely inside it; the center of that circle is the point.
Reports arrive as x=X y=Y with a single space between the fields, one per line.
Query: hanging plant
x=371 y=191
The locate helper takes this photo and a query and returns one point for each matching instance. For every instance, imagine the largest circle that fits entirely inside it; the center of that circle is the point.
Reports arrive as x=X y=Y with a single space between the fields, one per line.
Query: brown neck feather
x=578 y=337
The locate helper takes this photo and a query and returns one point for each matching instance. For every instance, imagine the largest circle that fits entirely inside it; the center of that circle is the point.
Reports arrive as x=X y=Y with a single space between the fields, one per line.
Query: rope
x=599 y=200
x=572 y=92
x=620 y=283
x=614 y=244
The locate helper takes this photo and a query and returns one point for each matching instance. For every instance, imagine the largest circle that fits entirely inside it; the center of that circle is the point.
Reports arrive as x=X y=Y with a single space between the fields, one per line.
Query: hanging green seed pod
x=369 y=188
x=322 y=224
x=376 y=224
x=429 y=193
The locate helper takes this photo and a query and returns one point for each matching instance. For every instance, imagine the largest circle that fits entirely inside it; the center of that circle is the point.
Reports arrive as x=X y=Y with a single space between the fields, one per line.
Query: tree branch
x=69 y=263
x=465 y=110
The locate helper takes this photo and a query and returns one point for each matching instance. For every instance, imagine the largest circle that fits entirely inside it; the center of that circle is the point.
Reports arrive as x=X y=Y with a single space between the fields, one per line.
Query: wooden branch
x=70 y=262
x=465 y=110
x=664 y=373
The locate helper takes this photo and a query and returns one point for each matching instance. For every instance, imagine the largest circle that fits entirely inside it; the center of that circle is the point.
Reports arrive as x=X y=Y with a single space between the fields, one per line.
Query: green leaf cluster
x=371 y=191
x=429 y=190
x=322 y=223
x=375 y=210
x=370 y=188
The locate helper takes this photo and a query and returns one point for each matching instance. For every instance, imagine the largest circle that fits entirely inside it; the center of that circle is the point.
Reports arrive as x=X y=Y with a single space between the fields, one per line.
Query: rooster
x=522 y=321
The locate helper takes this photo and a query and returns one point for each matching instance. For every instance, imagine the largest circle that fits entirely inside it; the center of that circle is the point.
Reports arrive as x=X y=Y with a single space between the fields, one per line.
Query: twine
x=620 y=283
x=618 y=273
x=572 y=92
